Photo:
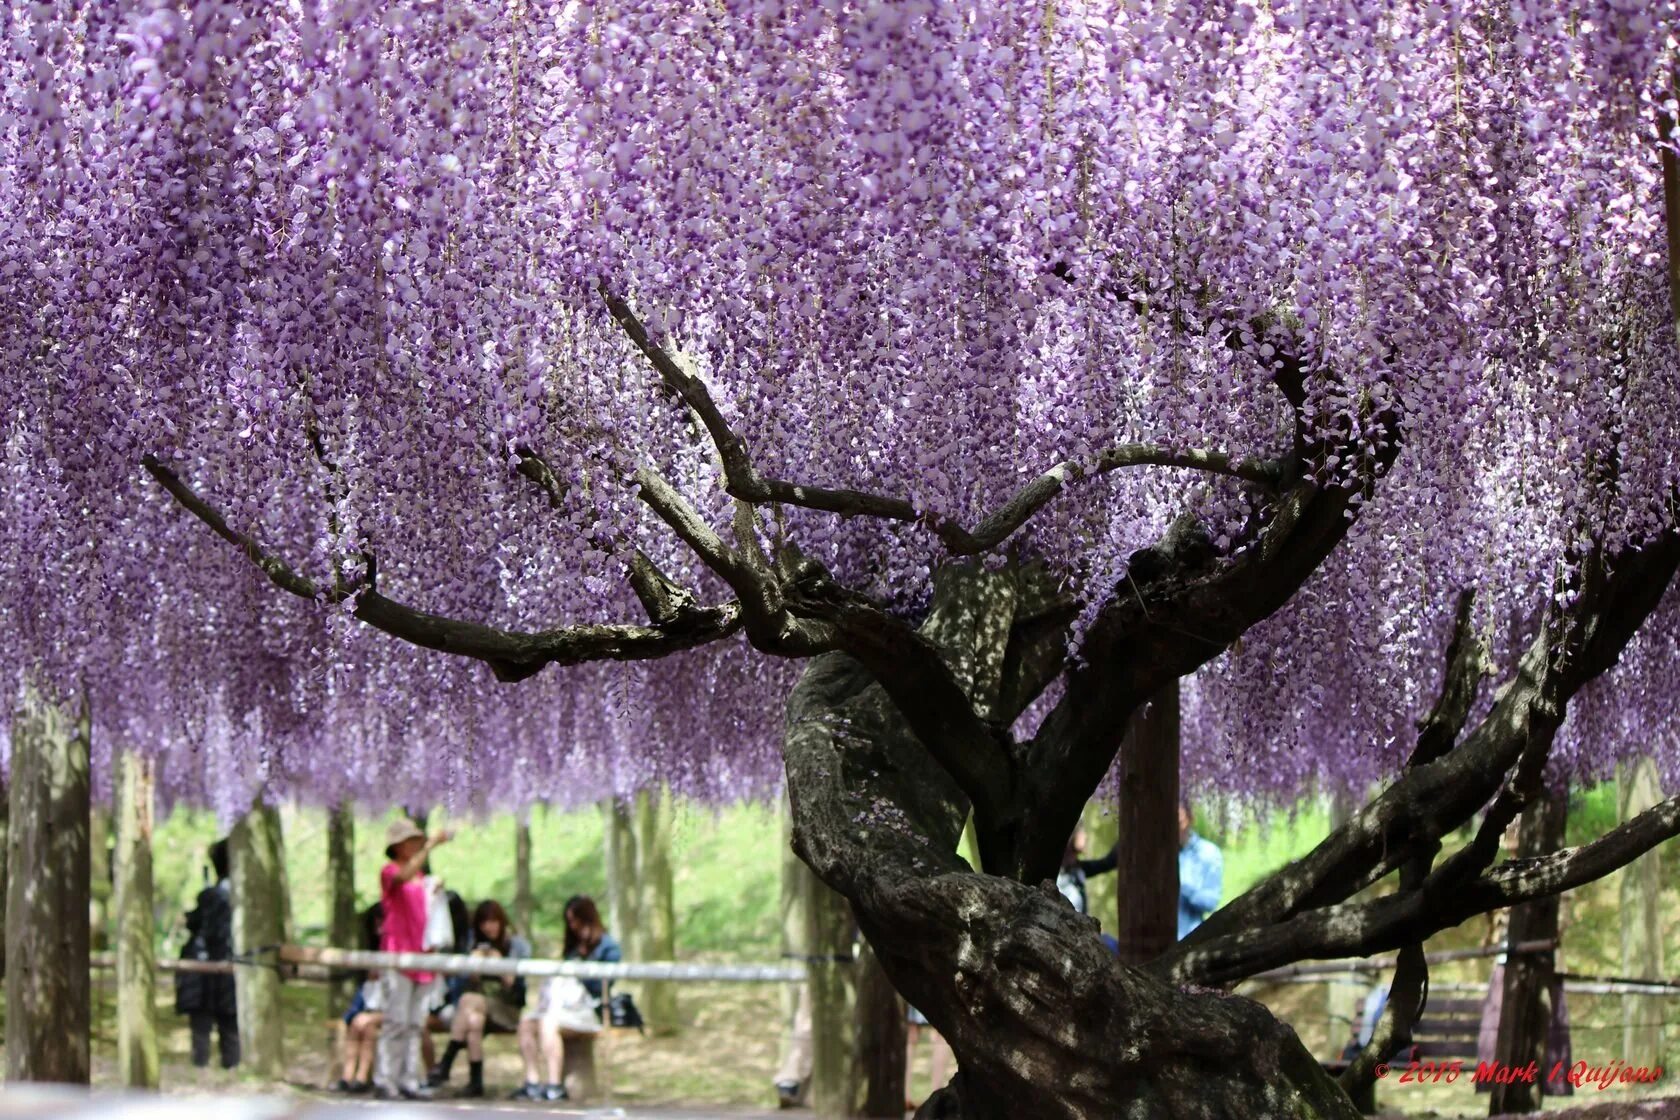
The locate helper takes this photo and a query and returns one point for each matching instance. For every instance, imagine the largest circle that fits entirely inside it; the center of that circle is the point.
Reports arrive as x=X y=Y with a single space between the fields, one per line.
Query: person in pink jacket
x=403 y=894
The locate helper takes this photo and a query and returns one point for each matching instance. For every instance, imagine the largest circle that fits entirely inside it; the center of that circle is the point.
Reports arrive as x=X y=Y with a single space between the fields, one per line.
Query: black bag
x=622 y=1012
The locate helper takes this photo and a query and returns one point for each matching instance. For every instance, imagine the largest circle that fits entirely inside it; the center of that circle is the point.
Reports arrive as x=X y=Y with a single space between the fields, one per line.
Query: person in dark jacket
x=207 y=998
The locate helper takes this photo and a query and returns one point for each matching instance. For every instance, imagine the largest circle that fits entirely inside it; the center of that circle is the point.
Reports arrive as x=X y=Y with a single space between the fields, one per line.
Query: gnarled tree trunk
x=1043 y=1020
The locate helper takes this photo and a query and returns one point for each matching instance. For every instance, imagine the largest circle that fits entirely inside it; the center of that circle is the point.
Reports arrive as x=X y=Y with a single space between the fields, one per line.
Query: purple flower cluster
x=337 y=261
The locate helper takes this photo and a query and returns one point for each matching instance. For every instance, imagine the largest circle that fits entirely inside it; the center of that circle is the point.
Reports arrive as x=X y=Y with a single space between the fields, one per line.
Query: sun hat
x=399 y=830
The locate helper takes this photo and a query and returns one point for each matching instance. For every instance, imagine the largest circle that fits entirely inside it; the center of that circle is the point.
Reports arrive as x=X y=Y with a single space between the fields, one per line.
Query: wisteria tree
x=988 y=365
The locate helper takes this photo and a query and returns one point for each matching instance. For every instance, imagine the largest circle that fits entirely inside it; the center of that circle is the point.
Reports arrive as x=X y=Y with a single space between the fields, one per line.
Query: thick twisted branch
x=1354 y=929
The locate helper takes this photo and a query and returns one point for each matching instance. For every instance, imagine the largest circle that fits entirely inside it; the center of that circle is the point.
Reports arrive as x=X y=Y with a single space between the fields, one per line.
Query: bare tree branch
x=512 y=655
x=1393 y=1030
x=743 y=481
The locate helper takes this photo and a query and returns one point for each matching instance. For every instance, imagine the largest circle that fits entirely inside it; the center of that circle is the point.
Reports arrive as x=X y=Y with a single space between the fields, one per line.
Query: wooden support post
x=47 y=934
x=655 y=821
x=829 y=934
x=137 y=1042
x=1526 y=1007
x=255 y=849
x=342 y=919
x=100 y=882
x=1146 y=880
x=524 y=904
x=623 y=899
x=883 y=1034
x=1640 y=886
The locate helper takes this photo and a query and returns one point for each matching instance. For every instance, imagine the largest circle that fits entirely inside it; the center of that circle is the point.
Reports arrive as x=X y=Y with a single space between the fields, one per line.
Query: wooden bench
x=1449 y=1029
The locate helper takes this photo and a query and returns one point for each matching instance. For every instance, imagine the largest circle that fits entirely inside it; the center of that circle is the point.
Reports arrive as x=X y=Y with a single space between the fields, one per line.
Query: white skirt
x=564 y=1003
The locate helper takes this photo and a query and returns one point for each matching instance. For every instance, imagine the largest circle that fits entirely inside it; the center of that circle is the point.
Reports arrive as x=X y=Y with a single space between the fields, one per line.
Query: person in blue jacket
x=542 y=1029
x=1201 y=872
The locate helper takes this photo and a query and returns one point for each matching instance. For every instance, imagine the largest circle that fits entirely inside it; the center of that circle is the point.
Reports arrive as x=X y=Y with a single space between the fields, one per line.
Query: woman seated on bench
x=565 y=1006
x=486 y=1004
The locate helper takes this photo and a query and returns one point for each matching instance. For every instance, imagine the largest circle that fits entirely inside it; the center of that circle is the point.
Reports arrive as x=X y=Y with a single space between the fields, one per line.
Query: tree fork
x=1042 y=1019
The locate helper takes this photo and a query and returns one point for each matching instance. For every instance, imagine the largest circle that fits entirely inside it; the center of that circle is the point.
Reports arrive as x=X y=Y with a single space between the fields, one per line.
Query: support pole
x=255 y=849
x=137 y=1042
x=341 y=881
x=655 y=820
x=1640 y=887
x=1526 y=1008
x=524 y=904
x=1146 y=879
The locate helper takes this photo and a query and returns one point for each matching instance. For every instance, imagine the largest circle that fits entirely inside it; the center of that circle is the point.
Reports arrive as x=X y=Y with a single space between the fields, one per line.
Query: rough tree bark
x=1637 y=790
x=254 y=847
x=655 y=821
x=47 y=935
x=1526 y=1010
x=1146 y=874
x=897 y=731
x=137 y=1042
x=342 y=925
x=1015 y=980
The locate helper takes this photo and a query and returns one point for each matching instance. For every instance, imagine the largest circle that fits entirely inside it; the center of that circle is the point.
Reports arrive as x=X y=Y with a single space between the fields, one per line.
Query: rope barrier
x=1383 y=964
x=320 y=964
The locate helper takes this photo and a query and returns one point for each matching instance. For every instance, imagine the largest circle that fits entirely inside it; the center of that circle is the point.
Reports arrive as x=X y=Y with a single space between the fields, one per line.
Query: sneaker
x=418 y=1093
x=787 y=1094
x=386 y=1093
x=343 y=1086
x=436 y=1077
x=555 y=1093
x=471 y=1091
x=530 y=1091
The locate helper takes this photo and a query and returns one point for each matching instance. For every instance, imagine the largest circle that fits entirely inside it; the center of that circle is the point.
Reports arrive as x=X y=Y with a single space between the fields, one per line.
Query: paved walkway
x=56 y=1103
